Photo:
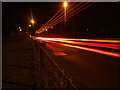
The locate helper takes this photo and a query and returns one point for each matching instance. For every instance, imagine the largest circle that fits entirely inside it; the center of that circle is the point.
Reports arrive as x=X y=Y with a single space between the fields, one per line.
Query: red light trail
x=66 y=12
x=60 y=14
x=113 y=46
x=95 y=40
x=53 y=17
x=59 y=17
x=95 y=50
x=61 y=40
x=70 y=14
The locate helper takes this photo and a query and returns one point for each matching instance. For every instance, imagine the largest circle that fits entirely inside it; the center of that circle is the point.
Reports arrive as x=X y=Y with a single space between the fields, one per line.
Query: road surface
x=92 y=70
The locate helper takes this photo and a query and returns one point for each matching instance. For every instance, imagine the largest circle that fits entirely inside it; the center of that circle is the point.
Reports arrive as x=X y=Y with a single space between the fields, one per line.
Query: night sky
x=101 y=19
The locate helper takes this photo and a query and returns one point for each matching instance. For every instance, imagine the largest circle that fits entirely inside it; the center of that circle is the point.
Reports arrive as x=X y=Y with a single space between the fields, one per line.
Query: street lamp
x=32 y=21
x=29 y=25
x=65 y=4
x=20 y=30
x=19 y=27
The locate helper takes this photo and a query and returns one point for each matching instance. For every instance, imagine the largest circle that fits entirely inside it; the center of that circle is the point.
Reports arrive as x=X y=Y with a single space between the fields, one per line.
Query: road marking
x=59 y=53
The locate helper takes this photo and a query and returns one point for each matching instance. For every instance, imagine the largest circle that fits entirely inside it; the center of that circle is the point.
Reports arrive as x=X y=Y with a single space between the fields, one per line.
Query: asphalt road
x=92 y=70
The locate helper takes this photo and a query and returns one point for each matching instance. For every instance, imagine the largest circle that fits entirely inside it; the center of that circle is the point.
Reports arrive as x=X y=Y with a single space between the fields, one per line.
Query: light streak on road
x=95 y=40
x=56 y=40
x=113 y=46
x=95 y=50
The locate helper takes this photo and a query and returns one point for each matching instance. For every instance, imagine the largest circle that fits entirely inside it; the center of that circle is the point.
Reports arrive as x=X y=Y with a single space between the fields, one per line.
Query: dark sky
x=19 y=14
x=100 y=18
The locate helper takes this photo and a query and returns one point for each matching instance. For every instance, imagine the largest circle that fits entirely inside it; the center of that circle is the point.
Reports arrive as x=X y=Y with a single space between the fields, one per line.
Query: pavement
x=17 y=63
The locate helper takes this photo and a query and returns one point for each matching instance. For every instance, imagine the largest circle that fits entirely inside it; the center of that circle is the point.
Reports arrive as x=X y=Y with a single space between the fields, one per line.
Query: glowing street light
x=65 y=4
x=19 y=27
x=30 y=25
x=20 y=30
x=46 y=29
x=32 y=21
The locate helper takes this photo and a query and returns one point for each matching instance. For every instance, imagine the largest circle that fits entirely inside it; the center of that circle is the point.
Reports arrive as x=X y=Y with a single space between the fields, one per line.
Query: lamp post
x=20 y=29
x=65 y=4
x=32 y=21
x=32 y=26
